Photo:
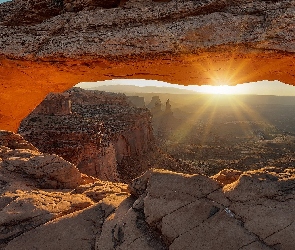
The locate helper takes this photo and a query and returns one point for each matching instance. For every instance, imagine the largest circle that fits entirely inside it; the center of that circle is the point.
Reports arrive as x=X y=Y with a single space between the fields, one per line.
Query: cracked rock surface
x=159 y=210
x=194 y=212
x=38 y=189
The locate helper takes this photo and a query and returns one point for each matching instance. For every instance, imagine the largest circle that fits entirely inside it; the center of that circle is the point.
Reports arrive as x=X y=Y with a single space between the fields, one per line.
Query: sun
x=217 y=90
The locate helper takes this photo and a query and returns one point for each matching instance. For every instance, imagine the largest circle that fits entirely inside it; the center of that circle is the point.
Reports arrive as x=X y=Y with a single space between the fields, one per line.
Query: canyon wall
x=92 y=129
x=49 y=46
x=55 y=104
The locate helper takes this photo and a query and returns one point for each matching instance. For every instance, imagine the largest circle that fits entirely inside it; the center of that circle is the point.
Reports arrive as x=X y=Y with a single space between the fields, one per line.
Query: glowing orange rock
x=24 y=84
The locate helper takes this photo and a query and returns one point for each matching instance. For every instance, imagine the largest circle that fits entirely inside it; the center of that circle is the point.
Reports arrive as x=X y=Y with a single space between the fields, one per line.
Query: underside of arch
x=49 y=47
x=25 y=83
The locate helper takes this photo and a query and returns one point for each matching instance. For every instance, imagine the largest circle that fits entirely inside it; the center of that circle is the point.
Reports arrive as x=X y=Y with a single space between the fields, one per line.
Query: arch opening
x=195 y=132
x=210 y=128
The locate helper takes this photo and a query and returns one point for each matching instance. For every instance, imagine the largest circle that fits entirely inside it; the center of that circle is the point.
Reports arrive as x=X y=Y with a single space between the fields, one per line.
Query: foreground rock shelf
x=46 y=203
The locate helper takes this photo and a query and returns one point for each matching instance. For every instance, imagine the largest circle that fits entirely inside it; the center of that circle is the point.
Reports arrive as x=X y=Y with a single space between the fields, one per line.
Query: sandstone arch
x=187 y=42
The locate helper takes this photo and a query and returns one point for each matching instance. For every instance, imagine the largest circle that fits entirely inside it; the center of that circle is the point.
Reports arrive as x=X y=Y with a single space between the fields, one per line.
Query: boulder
x=227 y=176
x=37 y=189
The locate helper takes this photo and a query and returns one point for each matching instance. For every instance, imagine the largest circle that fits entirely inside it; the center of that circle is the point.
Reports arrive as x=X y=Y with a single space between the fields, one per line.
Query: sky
x=254 y=88
x=2 y=1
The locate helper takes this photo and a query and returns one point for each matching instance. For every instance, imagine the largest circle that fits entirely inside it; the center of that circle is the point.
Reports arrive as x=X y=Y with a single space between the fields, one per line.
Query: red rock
x=48 y=171
x=187 y=42
x=94 y=130
x=165 y=211
x=14 y=141
x=55 y=104
x=227 y=176
x=211 y=42
x=24 y=206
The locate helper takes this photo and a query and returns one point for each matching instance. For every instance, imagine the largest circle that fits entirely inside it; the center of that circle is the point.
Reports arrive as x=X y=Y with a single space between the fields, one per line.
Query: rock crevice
x=160 y=209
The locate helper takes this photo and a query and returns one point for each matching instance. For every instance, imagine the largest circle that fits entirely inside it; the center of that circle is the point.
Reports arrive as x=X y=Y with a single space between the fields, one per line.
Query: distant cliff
x=164 y=122
x=94 y=130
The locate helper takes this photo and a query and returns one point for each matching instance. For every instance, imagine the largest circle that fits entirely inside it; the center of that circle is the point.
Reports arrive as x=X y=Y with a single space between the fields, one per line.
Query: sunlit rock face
x=46 y=203
x=37 y=188
x=94 y=130
x=48 y=46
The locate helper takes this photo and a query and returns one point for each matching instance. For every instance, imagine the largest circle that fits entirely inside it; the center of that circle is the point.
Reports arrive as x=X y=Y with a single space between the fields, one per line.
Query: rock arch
x=187 y=42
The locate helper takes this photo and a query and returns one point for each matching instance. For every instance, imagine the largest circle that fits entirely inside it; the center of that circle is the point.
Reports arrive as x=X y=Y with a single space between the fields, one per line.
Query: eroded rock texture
x=50 y=171
x=48 y=46
x=38 y=188
x=195 y=212
x=165 y=210
x=92 y=129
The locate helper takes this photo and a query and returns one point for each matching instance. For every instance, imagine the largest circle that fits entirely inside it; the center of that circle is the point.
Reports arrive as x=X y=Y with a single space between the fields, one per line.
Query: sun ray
x=250 y=111
x=240 y=116
x=187 y=127
x=209 y=124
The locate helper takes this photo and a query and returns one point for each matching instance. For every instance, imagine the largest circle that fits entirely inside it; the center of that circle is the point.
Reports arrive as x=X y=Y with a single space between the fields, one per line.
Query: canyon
x=48 y=202
x=104 y=134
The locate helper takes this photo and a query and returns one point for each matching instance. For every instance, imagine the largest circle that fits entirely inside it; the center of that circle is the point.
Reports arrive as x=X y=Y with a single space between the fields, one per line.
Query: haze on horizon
x=264 y=87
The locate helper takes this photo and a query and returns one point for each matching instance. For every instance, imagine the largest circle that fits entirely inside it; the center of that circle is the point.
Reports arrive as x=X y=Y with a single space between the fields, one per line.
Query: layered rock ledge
x=94 y=130
x=37 y=188
x=42 y=207
x=48 y=46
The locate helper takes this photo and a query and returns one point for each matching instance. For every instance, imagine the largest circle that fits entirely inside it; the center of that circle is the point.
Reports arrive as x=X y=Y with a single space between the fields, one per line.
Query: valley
x=233 y=132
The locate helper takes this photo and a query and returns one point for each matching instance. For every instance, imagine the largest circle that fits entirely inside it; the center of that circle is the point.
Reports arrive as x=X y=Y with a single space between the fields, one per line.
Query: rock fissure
x=152 y=234
x=198 y=211
x=131 y=243
x=281 y=229
x=248 y=244
x=186 y=205
x=20 y=227
x=258 y=238
x=119 y=238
